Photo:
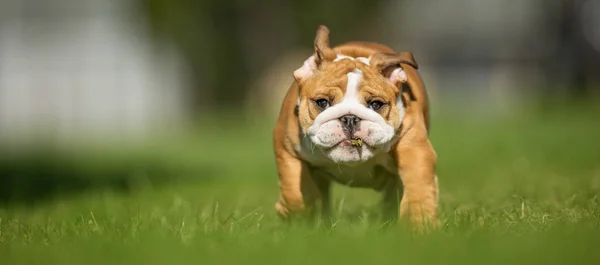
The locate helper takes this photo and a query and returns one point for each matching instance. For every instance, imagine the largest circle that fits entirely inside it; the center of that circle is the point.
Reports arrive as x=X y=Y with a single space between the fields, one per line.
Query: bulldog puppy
x=356 y=114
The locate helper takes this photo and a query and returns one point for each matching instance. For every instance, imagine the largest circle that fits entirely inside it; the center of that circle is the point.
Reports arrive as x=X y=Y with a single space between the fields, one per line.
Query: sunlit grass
x=517 y=189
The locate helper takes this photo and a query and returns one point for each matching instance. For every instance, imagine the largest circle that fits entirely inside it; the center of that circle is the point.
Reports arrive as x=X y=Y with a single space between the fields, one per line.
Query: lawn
x=516 y=188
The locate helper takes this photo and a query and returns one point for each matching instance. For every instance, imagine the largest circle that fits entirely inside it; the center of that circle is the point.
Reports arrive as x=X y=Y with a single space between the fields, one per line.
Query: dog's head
x=351 y=108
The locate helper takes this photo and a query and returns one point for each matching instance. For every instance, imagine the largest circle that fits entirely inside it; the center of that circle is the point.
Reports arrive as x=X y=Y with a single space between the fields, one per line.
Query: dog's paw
x=421 y=225
x=281 y=210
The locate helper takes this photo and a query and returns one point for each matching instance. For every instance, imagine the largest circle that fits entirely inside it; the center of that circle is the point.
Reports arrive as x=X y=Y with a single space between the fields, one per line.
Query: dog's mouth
x=353 y=141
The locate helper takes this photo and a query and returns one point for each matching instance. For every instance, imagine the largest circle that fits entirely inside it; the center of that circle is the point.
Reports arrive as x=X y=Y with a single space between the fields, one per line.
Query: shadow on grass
x=35 y=178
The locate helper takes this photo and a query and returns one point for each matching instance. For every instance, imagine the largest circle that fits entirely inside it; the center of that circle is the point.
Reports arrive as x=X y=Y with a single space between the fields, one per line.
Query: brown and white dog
x=357 y=114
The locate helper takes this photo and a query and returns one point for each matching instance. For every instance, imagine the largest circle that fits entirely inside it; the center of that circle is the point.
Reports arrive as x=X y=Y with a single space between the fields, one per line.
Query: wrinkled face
x=348 y=110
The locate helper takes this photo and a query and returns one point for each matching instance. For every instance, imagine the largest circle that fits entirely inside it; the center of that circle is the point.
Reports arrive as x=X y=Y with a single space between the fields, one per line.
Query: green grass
x=515 y=189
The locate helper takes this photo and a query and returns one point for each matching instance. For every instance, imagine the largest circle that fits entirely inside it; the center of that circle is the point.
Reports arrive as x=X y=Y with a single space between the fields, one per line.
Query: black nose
x=350 y=122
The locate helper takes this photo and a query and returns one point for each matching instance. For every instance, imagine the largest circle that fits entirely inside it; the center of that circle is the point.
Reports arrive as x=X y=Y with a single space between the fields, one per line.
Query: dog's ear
x=323 y=53
x=401 y=70
x=391 y=66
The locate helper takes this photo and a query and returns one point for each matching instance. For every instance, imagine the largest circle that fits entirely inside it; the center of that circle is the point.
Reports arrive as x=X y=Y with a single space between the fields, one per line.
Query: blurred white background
x=84 y=68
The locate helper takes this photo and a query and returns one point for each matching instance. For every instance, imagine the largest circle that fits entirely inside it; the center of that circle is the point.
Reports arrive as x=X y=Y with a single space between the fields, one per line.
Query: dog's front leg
x=416 y=166
x=298 y=190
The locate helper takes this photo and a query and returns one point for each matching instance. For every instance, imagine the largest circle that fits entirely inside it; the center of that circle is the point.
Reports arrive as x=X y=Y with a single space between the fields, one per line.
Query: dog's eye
x=375 y=105
x=322 y=103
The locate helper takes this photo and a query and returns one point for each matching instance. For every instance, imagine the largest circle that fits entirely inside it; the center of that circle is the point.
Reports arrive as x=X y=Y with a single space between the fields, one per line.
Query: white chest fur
x=374 y=173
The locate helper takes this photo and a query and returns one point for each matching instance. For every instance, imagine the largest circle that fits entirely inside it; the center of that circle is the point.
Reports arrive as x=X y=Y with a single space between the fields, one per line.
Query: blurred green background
x=139 y=131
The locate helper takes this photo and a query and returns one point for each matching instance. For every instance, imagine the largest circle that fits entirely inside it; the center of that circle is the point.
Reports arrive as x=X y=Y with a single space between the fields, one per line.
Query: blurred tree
x=226 y=43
